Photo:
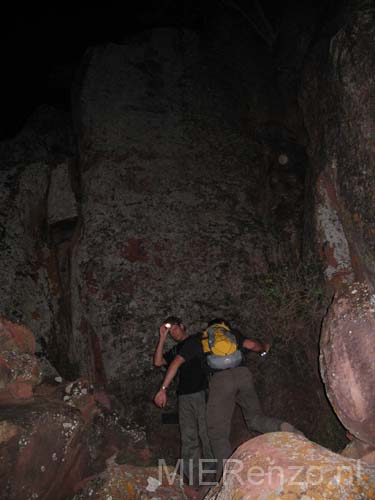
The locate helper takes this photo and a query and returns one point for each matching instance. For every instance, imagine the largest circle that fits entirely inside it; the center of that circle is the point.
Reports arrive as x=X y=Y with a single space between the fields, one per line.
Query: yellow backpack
x=220 y=346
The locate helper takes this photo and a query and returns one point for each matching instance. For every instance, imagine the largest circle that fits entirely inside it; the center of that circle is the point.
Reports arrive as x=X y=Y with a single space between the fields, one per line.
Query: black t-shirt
x=193 y=349
x=192 y=373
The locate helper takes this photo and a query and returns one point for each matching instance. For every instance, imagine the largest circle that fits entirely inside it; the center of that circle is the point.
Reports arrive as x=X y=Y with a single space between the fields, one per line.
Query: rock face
x=168 y=219
x=283 y=465
x=338 y=101
x=34 y=270
x=347 y=359
x=174 y=198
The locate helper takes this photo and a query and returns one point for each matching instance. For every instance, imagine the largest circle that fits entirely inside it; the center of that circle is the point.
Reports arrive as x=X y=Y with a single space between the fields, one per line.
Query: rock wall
x=36 y=201
x=168 y=219
x=185 y=184
x=338 y=105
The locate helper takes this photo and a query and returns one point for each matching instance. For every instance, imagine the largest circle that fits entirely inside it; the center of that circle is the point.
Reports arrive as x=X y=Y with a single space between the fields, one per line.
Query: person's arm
x=256 y=346
x=161 y=396
x=159 y=359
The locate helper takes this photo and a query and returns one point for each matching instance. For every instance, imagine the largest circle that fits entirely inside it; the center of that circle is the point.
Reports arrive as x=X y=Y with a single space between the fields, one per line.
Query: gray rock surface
x=30 y=289
x=169 y=223
x=62 y=203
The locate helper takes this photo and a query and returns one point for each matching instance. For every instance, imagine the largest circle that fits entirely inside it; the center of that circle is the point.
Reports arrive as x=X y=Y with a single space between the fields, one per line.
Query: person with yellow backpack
x=231 y=383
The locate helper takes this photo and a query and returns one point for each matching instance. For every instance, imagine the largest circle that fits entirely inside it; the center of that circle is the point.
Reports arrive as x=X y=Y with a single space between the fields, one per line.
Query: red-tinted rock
x=44 y=452
x=48 y=445
x=17 y=390
x=102 y=398
x=16 y=338
x=19 y=368
x=347 y=359
x=282 y=465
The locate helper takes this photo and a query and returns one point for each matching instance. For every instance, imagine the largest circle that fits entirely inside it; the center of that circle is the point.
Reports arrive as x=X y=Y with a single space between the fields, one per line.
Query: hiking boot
x=287 y=427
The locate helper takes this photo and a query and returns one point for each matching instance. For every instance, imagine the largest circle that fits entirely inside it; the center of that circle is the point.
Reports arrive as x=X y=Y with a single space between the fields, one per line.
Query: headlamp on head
x=172 y=320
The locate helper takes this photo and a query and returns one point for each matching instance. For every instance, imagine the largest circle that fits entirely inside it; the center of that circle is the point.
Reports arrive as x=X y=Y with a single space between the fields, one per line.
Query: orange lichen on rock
x=284 y=465
x=122 y=482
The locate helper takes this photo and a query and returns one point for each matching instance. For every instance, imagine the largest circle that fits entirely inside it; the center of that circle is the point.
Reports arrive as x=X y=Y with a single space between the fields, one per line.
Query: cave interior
x=202 y=159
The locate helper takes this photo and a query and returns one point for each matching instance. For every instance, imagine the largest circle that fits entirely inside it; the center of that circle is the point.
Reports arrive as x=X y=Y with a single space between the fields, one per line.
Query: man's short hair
x=173 y=320
x=217 y=321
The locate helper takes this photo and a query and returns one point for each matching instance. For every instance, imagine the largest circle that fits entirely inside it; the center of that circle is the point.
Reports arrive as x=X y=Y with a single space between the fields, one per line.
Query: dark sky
x=41 y=47
x=39 y=50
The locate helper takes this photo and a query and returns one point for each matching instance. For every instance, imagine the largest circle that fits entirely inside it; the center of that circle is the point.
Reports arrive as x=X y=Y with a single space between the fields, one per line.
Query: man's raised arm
x=159 y=359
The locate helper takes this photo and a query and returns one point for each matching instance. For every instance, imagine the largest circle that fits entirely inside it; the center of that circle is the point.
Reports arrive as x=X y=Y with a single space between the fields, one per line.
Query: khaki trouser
x=228 y=387
x=194 y=437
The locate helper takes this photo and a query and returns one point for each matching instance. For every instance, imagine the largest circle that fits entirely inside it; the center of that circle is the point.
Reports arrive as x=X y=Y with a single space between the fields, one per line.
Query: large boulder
x=347 y=359
x=49 y=444
x=43 y=450
x=284 y=465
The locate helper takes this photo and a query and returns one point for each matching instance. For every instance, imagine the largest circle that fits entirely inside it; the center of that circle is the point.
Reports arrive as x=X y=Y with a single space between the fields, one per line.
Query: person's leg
x=248 y=400
x=202 y=425
x=208 y=462
x=220 y=407
x=190 y=446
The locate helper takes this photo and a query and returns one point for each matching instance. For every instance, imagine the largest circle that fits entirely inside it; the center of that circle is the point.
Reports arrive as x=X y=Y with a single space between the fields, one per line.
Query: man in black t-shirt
x=191 y=392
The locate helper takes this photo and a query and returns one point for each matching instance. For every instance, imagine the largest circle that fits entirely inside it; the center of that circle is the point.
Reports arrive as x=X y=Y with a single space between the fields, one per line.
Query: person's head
x=218 y=321
x=176 y=328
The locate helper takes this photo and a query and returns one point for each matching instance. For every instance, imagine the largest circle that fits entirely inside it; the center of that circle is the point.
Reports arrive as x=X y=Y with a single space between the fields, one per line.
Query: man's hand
x=163 y=332
x=161 y=398
x=256 y=346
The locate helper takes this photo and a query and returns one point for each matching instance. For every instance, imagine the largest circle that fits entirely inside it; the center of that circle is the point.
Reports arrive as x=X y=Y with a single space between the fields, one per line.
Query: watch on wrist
x=163 y=388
